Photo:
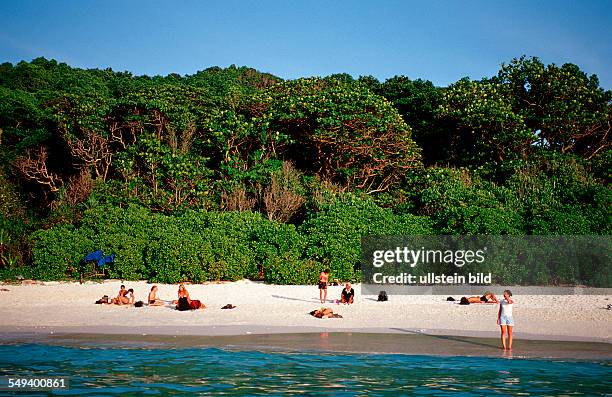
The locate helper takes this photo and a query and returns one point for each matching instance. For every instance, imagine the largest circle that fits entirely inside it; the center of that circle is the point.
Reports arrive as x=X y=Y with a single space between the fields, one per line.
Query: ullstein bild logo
x=437 y=264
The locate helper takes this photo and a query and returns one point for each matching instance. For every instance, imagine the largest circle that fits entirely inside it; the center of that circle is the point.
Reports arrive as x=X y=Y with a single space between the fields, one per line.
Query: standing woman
x=505 y=319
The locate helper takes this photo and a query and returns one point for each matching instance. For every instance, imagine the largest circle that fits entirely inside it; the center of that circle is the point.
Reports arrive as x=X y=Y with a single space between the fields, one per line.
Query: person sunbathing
x=153 y=300
x=488 y=297
x=120 y=295
x=324 y=312
x=184 y=302
x=347 y=295
x=127 y=298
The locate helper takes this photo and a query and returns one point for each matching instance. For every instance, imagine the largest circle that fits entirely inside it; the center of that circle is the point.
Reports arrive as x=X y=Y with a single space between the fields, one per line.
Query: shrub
x=287 y=269
x=56 y=252
x=333 y=235
x=177 y=257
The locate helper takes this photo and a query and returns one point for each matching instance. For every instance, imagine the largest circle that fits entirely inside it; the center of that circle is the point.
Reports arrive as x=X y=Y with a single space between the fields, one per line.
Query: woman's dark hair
x=509 y=292
x=131 y=290
x=122 y=286
x=326 y=271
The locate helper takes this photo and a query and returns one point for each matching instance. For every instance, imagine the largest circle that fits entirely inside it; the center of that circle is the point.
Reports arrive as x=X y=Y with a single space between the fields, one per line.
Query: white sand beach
x=58 y=307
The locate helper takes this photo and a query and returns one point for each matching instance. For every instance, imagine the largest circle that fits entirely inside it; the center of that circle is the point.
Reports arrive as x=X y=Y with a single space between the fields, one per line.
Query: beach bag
x=450 y=299
x=382 y=297
x=139 y=304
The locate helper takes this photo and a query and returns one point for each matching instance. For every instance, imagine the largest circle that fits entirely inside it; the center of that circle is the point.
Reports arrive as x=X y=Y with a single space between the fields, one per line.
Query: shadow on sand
x=450 y=338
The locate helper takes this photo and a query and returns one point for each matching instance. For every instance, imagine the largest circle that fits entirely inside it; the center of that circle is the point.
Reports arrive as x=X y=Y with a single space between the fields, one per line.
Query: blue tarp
x=94 y=256
x=106 y=259
x=98 y=256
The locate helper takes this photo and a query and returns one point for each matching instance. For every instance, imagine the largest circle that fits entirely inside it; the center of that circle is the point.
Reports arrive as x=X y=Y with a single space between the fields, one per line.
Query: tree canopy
x=526 y=151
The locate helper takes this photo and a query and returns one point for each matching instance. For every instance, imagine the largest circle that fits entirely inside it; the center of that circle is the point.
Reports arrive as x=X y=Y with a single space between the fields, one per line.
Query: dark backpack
x=382 y=297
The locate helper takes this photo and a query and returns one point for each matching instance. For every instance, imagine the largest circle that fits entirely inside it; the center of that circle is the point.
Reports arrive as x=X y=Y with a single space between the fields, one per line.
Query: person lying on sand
x=324 y=312
x=488 y=297
x=184 y=302
x=347 y=295
x=153 y=300
x=104 y=300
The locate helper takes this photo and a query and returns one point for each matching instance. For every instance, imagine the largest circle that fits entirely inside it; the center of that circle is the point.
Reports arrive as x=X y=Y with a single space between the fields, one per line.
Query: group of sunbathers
x=126 y=297
x=347 y=296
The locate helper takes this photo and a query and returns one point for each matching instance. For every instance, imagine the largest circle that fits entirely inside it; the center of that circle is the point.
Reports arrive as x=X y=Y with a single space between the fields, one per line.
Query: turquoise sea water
x=99 y=370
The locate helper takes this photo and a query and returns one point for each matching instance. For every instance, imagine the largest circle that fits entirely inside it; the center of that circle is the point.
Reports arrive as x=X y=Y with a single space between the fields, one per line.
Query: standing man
x=323 y=277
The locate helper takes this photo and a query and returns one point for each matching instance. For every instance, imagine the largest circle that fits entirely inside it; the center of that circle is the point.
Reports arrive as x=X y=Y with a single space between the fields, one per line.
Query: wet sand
x=407 y=342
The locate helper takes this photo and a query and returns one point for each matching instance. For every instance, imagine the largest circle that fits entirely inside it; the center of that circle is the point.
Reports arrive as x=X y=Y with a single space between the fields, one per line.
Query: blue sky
x=441 y=41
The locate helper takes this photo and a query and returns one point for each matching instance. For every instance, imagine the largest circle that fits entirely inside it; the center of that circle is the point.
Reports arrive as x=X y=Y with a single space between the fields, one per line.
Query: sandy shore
x=342 y=342
x=270 y=309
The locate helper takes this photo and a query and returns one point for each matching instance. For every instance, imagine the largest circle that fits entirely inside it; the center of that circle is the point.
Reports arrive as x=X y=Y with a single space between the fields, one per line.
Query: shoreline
x=248 y=330
x=338 y=342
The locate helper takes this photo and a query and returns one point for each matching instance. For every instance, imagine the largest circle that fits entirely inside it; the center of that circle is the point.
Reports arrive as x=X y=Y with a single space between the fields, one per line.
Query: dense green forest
x=231 y=173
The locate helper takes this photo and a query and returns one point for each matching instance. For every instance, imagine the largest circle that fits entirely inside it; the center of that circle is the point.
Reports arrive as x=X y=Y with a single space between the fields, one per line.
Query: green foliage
x=177 y=257
x=487 y=128
x=567 y=109
x=57 y=252
x=140 y=166
x=461 y=203
x=160 y=178
x=417 y=102
x=195 y=246
x=337 y=129
x=333 y=235
x=287 y=269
